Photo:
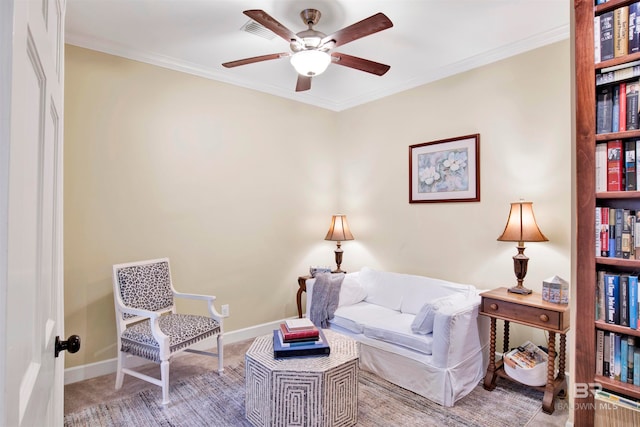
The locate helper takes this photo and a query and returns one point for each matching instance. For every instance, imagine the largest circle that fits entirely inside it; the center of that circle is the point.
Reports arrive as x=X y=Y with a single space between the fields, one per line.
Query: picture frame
x=447 y=170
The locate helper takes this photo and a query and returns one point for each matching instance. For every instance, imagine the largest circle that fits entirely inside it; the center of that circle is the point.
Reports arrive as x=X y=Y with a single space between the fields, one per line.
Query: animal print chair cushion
x=147 y=287
x=182 y=329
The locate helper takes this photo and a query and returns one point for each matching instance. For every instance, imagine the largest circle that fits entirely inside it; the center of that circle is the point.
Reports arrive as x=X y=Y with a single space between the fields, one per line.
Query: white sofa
x=379 y=308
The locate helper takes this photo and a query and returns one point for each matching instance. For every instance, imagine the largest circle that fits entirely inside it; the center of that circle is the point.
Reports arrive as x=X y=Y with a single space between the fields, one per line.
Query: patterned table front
x=302 y=391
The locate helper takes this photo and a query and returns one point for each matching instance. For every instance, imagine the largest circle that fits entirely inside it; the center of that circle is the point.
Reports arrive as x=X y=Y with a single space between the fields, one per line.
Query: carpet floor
x=212 y=400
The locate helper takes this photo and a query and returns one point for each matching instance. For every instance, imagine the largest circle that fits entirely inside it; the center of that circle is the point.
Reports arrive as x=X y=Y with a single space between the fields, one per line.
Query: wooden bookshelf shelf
x=618 y=386
x=617 y=328
x=618 y=262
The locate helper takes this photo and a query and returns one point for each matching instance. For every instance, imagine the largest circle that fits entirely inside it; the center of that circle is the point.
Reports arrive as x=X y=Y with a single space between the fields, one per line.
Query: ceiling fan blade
x=246 y=61
x=370 y=25
x=359 y=64
x=267 y=21
x=304 y=83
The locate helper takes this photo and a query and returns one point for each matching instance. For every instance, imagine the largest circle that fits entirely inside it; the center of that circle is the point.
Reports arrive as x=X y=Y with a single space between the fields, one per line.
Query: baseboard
x=105 y=367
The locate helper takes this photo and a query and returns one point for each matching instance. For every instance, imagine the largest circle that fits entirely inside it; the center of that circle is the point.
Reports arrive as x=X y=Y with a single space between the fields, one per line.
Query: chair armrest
x=456 y=335
x=208 y=298
x=194 y=296
x=139 y=312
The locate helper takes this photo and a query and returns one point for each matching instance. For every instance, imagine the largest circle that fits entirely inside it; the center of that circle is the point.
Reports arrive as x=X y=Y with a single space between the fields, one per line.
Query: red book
x=615 y=167
x=307 y=334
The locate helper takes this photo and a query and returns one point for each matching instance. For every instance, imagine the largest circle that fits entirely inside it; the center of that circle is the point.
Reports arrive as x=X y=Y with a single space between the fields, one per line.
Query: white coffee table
x=302 y=391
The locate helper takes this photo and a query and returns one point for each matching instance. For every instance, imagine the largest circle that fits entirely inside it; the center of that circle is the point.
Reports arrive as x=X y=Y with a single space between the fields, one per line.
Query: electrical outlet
x=225 y=310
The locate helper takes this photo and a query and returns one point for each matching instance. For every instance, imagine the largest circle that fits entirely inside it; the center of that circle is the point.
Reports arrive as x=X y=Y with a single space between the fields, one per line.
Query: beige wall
x=237 y=187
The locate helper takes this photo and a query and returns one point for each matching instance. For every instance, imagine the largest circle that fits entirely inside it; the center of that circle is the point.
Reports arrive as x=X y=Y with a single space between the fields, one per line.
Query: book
x=604 y=231
x=633 y=301
x=630 y=362
x=612 y=232
x=636 y=362
x=303 y=335
x=299 y=324
x=302 y=350
x=606 y=365
x=599 y=351
x=600 y=296
x=598 y=238
x=626 y=233
x=525 y=356
x=633 y=87
x=622 y=116
x=636 y=237
x=614 y=165
x=604 y=109
x=615 y=109
x=624 y=352
x=619 y=231
x=601 y=167
x=634 y=28
x=621 y=31
x=611 y=282
x=630 y=166
x=297 y=343
x=624 y=300
x=606 y=36
x=617 y=362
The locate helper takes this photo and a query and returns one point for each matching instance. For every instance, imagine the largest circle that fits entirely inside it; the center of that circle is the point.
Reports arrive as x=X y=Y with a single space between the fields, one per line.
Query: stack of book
x=299 y=337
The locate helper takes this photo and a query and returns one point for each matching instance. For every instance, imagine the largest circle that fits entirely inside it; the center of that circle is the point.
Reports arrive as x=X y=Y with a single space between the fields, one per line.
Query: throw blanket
x=326 y=293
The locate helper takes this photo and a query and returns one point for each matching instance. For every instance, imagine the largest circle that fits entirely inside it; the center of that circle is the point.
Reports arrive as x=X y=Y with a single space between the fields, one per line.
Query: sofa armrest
x=309 y=287
x=456 y=333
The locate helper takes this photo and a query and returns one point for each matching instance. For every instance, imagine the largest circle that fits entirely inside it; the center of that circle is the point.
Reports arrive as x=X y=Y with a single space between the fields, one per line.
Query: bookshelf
x=587 y=263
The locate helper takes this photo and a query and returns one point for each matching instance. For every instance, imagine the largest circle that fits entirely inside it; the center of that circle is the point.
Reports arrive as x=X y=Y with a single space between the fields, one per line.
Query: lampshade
x=310 y=62
x=339 y=229
x=521 y=225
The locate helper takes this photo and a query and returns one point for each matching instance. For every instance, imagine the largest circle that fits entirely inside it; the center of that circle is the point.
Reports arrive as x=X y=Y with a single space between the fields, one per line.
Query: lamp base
x=520 y=290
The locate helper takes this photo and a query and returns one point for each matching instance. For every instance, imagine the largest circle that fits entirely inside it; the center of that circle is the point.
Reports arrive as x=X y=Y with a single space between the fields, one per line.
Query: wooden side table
x=530 y=310
x=302 y=287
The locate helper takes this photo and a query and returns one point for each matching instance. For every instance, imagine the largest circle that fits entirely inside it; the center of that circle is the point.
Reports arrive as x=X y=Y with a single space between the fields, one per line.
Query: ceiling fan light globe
x=310 y=62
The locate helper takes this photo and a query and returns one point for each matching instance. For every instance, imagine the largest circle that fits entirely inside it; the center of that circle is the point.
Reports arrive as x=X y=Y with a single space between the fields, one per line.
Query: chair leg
x=119 y=373
x=220 y=355
x=164 y=375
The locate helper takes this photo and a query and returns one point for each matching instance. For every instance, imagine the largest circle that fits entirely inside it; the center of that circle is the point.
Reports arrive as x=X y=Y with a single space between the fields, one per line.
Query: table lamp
x=339 y=232
x=521 y=227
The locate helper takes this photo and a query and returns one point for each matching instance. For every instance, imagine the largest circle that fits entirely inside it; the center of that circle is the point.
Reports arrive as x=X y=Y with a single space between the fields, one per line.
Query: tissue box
x=556 y=290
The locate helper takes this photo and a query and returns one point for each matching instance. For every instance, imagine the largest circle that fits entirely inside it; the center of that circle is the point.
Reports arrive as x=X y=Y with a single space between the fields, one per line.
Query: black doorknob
x=72 y=344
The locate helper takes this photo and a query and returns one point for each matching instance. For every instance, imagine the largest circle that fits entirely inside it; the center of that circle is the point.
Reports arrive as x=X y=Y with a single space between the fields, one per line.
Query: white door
x=31 y=265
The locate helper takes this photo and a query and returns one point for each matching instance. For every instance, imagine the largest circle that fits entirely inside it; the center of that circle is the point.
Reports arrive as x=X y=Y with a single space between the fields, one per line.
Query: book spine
x=296 y=352
x=636 y=364
x=601 y=298
x=605 y=232
x=626 y=233
x=623 y=360
x=614 y=165
x=297 y=335
x=630 y=362
x=632 y=105
x=634 y=39
x=599 y=235
x=606 y=36
x=612 y=232
x=636 y=237
x=615 y=109
x=606 y=365
x=601 y=167
x=604 y=110
x=630 y=166
x=633 y=302
x=622 y=121
x=619 y=232
x=624 y=300
x=599 y=351
x=617 y=362
x=612 y=302
x=621 y=31
x=596 y=39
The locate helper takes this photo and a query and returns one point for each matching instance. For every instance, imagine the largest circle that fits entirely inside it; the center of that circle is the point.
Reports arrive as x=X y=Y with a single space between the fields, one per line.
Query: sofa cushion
x=428 y=290
x=396 y=329
x=382 y=288
x=354 y=317
x=423 y=321
x=351 y=291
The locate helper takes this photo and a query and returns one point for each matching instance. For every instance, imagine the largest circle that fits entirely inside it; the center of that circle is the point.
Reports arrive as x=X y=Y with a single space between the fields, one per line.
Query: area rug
x=213 y=400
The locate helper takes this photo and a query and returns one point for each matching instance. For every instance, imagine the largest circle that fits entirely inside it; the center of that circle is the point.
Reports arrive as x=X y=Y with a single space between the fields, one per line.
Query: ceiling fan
x=311 y=50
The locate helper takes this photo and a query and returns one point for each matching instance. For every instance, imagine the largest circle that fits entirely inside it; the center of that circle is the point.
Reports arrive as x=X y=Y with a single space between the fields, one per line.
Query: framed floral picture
x=447 y=170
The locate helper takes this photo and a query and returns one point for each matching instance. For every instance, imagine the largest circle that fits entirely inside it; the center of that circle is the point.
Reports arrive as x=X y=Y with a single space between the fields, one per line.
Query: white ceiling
x=430 y=39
